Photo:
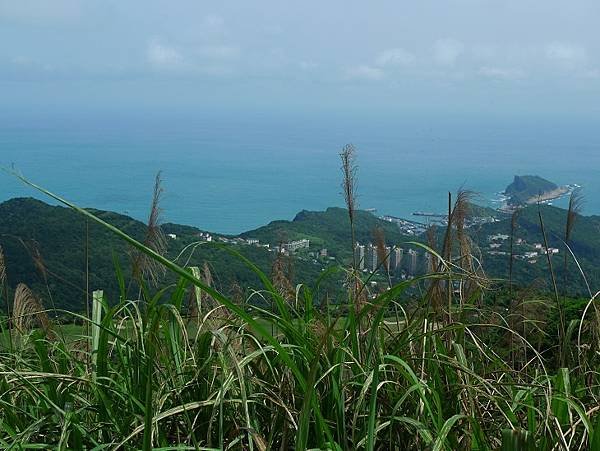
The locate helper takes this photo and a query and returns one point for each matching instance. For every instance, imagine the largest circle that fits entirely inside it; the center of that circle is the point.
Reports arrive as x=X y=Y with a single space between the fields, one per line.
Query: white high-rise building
x=412 y=262
x=359 y=254
x=371 y=257
x=396 y=258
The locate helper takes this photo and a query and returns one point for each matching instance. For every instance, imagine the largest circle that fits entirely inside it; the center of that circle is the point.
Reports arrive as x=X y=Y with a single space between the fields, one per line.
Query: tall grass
x=171 y=371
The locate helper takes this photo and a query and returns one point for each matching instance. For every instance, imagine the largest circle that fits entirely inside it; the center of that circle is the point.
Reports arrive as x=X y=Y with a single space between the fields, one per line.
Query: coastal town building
x=412 y=262
x=293 y=246
x=551 y=251
x=359 y=255
x=396 y=258
x=371 y=257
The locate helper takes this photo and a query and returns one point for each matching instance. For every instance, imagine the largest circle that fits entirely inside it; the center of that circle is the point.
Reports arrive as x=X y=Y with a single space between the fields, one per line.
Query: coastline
x=549 y=195
x=546 y=197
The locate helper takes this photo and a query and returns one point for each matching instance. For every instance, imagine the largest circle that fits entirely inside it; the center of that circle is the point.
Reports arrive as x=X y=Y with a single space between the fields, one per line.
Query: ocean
x=231 y=172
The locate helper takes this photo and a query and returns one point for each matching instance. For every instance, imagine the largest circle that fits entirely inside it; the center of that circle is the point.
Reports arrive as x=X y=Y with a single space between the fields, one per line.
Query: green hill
x=329 y=229
x=29 y=227
x=35 y=235
x=55 y=237
x=585 y=244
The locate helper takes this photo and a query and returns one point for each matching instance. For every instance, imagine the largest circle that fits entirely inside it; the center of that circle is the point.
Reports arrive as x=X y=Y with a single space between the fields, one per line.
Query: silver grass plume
x=282 y=275
x=382 y=253
x=435 y=292
x=574 y=210
x=349 y=173
x=27 y=309
x=460 y=213
x=514 y=221
x=349 y=184
x=155 y=239
x=431 y=234
x=207 y=278
x=2 y=268
x=468 y=262
x=38 y=261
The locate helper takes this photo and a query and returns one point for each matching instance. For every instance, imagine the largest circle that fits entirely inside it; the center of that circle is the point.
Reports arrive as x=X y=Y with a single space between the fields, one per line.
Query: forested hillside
x=49 y=248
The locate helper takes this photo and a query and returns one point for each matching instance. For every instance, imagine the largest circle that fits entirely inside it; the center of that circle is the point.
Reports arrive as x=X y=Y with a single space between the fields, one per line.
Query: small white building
x=295 y=245
x=172 y=236
x=551 y=251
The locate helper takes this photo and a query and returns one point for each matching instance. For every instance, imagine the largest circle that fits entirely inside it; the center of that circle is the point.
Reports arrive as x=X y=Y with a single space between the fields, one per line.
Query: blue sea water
x=233 y=172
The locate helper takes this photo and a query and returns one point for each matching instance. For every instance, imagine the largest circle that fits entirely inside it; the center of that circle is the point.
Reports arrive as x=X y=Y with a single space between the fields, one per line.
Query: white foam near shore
x=547 y=199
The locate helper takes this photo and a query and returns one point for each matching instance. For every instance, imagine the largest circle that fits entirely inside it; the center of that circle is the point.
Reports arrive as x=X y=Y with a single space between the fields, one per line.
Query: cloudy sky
x=540 y=56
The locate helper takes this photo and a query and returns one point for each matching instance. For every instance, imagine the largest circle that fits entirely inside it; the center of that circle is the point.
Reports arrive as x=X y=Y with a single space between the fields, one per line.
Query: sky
x=446 y=56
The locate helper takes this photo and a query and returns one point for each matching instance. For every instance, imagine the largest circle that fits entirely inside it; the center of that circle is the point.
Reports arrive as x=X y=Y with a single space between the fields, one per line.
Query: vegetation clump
x=446 y=360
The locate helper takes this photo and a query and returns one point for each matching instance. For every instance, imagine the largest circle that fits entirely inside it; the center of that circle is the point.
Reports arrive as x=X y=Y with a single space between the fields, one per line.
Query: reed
x=28 y=311
x=391 y=375
x=145 y=268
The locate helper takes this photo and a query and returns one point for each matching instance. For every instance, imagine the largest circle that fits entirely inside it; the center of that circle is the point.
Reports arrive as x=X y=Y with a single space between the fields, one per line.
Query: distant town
x=399 y=263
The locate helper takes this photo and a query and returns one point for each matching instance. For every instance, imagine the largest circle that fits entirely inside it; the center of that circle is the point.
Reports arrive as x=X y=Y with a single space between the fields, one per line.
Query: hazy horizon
x=465 y=56
x=245 y=106
x=230 y=173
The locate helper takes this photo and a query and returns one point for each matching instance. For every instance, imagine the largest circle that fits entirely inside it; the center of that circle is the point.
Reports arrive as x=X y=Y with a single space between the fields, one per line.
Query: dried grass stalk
x=575 y=207
x=431 y=235
x=349 y=171
x=145 y=266
x=349 y=181
x=2 y=269
x=460 y=213
x=28 y=311
x=382 y=254
x=435 y=291
x=282 y=276
x=38 y=261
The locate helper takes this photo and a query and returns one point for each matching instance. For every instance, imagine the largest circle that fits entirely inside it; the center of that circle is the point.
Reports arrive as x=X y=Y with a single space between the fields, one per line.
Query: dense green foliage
x=189 y=367
x=584 y=244
x=45 y=247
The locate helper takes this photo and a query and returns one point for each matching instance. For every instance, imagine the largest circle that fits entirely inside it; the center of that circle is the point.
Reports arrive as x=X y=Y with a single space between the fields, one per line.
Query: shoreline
x=550 y=195
x=546 y=197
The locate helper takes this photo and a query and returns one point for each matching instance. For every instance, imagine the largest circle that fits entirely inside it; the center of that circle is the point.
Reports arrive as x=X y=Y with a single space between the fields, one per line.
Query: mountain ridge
x=30 y=227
